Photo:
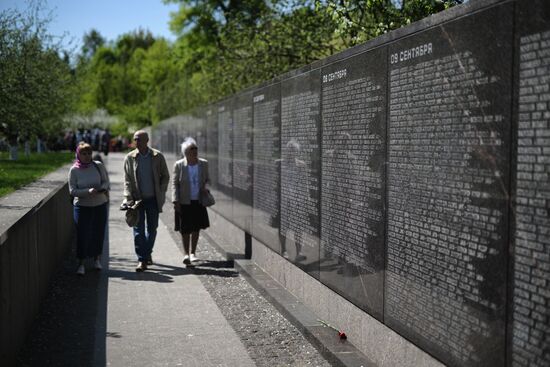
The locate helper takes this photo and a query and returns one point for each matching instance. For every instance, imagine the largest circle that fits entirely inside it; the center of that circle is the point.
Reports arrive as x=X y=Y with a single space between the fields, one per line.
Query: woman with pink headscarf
x=89 y=186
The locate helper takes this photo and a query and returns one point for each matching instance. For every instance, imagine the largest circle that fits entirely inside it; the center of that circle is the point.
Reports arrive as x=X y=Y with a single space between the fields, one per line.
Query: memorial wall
x=411 y=175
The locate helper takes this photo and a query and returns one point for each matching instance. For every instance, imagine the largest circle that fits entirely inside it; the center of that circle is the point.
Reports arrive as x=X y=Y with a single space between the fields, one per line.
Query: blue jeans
x=90 y=229
x=144 y=236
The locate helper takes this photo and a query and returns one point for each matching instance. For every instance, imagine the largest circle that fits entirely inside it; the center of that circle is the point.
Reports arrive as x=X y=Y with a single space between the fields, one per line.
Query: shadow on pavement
x=71 y=326
x=216 y=268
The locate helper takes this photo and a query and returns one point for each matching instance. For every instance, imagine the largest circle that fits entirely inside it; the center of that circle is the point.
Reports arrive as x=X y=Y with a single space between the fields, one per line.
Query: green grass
x=15 y=174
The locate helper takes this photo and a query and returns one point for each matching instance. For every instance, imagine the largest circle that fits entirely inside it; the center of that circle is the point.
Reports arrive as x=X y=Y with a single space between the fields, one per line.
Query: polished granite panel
x=242 y=161
x=171 y=140
x=531 y=272
x=159 y=138
x=192 y=127
x=224 y=189
x=266 y=216
x=200 y=130
x=300 y=170
x=210 y=150
x=448 y=177
x=182 y=127
x=353 y=174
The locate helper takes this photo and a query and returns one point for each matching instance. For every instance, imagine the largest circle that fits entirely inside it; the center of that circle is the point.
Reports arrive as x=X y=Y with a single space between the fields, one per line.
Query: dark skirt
x=192 y=218
x=91 y=224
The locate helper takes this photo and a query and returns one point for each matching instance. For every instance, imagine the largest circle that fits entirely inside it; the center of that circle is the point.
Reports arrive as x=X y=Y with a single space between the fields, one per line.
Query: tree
x=92 y=41
x=225 y=46
x=359 y=20
x=35 y=78
x=113 y=79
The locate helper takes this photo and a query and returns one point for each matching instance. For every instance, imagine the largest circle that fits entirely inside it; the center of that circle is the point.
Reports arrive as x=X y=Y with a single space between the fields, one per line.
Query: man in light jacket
x=146 y=178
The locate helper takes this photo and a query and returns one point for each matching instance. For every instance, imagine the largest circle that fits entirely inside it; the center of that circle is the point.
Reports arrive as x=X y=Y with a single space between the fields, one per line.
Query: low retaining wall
x=35 y=234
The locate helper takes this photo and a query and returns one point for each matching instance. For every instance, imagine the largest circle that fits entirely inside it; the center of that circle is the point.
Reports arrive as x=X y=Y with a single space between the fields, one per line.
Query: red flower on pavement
x=341 y=334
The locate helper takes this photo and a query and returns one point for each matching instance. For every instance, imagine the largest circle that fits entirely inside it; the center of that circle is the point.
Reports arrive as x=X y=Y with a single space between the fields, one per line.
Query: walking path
x=166 y=316
x=163 y=316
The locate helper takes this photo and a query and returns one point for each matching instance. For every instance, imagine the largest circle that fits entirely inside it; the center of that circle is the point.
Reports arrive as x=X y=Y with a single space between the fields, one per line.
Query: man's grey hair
x=187 y=143
x=142 y=133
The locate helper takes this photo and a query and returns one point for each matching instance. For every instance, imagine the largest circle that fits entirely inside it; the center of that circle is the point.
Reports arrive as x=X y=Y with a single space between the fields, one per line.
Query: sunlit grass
x=15 y=174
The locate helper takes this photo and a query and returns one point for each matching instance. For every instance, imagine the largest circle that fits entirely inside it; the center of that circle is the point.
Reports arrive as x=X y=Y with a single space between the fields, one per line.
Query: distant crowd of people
x=100 y=140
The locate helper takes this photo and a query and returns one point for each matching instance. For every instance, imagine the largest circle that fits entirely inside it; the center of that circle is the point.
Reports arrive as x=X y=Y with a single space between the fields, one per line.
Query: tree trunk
x=39 y=146
x=13 y=152
x=27 y=148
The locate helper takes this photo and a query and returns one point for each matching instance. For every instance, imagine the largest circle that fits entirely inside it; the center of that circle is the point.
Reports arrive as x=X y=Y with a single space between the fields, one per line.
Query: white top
x=194 y=181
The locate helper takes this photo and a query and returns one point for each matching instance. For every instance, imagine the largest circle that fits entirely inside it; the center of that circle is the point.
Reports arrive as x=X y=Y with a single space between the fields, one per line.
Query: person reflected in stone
x=146 y=178
x=190 y=178
x=295 y=168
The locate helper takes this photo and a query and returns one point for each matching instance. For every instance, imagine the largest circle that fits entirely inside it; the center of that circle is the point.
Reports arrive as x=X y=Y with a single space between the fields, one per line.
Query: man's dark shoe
x=142 y=266
x=150 y=260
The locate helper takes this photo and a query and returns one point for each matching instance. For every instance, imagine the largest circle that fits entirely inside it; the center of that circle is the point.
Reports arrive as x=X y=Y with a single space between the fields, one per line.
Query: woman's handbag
x=207 y=199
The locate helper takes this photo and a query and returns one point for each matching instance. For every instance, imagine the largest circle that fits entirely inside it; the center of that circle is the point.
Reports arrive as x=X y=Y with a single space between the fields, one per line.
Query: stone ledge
x=29 y=198
x=336 y=351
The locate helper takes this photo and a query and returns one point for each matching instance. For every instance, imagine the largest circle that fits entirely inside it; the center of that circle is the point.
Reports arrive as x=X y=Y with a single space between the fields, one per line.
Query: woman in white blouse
x=189 y=180
x=89 y=186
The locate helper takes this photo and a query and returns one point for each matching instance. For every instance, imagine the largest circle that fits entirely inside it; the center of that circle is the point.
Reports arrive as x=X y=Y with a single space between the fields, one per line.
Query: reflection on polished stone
x=211 y=147
x=225 y=158
x=352 y=194
x=448 y=171
x=531 y=335
x=300 y=169
x=267 y=165
x=242 y=161
x=363 y=288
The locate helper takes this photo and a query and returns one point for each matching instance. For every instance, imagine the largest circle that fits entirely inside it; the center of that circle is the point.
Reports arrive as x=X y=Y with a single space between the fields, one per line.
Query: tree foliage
x=92 y=41
x=224 y=46
x=359 y=21
x=36 y=80
x=119 y=77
